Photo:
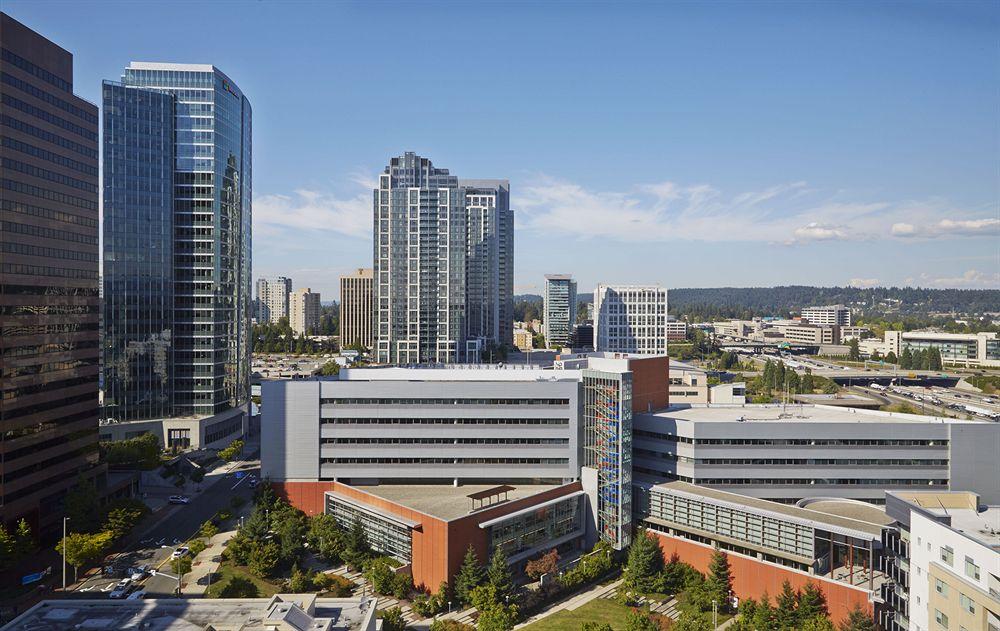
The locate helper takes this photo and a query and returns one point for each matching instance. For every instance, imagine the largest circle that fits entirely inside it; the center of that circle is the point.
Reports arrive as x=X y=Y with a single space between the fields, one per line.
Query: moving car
x=179 y=499
x=139 y=572
x=121 y=589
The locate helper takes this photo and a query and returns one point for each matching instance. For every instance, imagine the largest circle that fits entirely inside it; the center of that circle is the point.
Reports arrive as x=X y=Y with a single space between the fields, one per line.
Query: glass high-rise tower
x=443 y=264
x=177 y=239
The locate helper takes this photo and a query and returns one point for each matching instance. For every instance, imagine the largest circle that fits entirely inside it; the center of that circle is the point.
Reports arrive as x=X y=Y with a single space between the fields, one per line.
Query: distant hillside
x=788 y=300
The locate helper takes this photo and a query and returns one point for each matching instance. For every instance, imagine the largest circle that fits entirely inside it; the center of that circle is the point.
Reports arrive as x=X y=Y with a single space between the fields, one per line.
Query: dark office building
x=582 y=336
x=49 y=303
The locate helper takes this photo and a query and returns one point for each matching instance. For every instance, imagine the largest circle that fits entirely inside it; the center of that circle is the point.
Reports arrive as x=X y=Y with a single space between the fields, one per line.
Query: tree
x=380 y=575
x=545 y=564
x=356 y=548
x=786 y=614
x=325 y=537
x=858 y=620
x=812 y=602
x=208 y=529
x=329 y=369
x=239 y=587
x=720 y=581
x=402 y=585
x=906 y=359
x=181 y=565
x=231 y=452
x=300 y=581
x=289 y=526
x=816 y=623
x=8 y=548
x=392 y=619
x=82 y=547
x=764 y=615
x=24 y=541
x=933 y=358
x=645 y=560
x=499 y=578
x=690 y=621
x=264 y=558
x=890 y=358
x=806 y=385
x=639 y=621
x=497 y=617
x=469 y=577
x=83 y=506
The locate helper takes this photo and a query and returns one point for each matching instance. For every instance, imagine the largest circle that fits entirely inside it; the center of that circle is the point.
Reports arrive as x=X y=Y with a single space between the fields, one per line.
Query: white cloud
x=313 y=211
x=970 y=279
x=787 y=214
x=949 y=228
x=864 y=282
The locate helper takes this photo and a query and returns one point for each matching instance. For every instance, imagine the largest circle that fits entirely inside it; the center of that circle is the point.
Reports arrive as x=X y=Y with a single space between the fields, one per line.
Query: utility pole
x=65 y=519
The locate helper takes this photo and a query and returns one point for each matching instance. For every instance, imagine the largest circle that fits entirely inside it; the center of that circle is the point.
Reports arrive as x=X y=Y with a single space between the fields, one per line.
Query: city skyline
x=882 y=173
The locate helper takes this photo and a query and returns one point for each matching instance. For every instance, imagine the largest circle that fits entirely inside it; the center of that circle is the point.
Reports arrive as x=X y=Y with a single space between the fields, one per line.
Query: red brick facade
x=753 y=578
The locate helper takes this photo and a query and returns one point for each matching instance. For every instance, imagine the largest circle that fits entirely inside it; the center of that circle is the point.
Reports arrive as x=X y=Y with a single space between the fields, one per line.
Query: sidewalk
x=196 y=582
x=598 y=591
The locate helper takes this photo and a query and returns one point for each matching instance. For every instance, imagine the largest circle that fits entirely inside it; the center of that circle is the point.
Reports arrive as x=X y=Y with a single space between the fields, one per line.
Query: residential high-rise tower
x=559 y=309
x=303 y=311
x=630 y=319
x=49 y=299
x=177 y=242
x=272 y=299
x=443 y=268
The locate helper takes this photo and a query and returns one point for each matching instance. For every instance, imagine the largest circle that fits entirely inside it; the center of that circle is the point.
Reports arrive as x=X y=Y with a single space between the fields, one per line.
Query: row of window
x=44 y=193
x=39 y=369
x=445 y=441
x=49 y=98
x=44 y=270
x=38 y=112
x=804 y=442
x=41 y=349
x=36 y=71
x=47 y=233
x=449 y=401
x=48 y=156
x=45 y=174
x=47 y=136
x=446 y=421
x=89 y=397
x=48 y=290
x=557 y=461
x=56 y=253
x=821 y=481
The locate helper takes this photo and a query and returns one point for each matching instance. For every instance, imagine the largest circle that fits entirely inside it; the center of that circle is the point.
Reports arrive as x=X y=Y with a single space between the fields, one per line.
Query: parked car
x=121 y=589
x=179 y=499
x=179 y=552
x=137 y=595
x=253 y=483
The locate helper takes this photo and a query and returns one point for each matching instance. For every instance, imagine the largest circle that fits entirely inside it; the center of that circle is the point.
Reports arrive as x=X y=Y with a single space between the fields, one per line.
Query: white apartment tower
x=443 y=264
x=356 y=296
x=559 y=309
x=630 y=319
x=830 y=315
x=272 y=299
x=303 y=311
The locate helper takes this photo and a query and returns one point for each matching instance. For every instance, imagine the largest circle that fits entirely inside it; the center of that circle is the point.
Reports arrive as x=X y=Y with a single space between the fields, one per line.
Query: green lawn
x=598 y=610
x=227 y=571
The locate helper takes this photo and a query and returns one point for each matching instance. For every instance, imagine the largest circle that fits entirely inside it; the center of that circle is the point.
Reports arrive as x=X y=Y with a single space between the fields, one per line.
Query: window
x=941 y=588
x=967 y=603
x=941 y=618
x=971 y=569
x=947 y=555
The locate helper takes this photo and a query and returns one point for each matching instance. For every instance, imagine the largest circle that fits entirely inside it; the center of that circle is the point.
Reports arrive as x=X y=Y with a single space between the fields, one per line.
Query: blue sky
x=691 y=144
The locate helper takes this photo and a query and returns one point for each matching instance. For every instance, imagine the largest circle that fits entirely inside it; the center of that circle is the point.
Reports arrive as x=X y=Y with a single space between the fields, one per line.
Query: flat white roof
x=794 y=413
x=474 y=372
x=981 y=525
x=159 y=65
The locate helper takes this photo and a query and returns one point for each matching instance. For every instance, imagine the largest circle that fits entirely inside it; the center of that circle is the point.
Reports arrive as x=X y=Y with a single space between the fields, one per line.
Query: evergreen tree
x=854 y=350
x=498 y=576
x=858 y=620
x=764 y=615
x=812 y=602
x=356 y=548
x=891 y=358
x=786 y=616
x=934 y=358
x=24 y=542
x=636 y=620
x=906 y=359
x=645 y=561
x=720 y=581
x=807 y=385
x=469 y=577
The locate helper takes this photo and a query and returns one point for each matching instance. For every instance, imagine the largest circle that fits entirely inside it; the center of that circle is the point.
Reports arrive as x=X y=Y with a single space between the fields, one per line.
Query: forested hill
x=787 y=300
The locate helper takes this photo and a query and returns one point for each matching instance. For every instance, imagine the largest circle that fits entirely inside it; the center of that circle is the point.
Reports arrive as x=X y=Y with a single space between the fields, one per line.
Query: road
x=175 y=525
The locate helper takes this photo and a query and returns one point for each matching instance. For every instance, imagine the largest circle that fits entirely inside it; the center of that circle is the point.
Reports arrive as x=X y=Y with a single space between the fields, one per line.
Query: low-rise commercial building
x=689 y=386
x=676 y=329
x=787 y=453
x=523 y=339
x=191 y=432
x=807 y=333
x=281 y=612
x=944 y=562
x=837 y=547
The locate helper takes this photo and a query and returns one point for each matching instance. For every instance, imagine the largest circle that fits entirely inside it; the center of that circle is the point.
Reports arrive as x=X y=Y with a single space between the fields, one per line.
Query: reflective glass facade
x=210 y=216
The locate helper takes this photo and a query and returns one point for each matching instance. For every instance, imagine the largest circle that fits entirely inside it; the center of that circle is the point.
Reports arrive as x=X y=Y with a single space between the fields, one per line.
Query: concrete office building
x=689 y=386
x=177 y=235
x=630 y=319
x=833 y=544
x=802 y=451
x=443 y=268
x=970 y=350
x=559 y=309
x=676 y=329
x=523 y=339
x=272 y=299
x=49 y=318
x=356 y=308
x=303 y=311
x=944 y=562
x=831 y=315
x=582 y=336
x=807 y=333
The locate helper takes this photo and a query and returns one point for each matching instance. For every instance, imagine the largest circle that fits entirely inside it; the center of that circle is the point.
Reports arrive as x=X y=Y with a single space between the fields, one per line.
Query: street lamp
x=715 y=614
x=449 y=607
x=65 y=519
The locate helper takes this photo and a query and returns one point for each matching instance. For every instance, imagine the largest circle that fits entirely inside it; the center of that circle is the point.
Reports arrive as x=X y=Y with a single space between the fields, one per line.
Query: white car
x=140 y=572
x=179 y=499
x=137 y=595
x=179 y=552
x=121 y=589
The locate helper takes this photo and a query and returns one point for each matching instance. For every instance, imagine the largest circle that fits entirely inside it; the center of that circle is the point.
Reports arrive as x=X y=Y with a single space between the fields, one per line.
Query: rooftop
x=856 y=525
x=226 y=614
x=851 y=509
x=981 y=523
x=794 y=413
x=459 y=372
x=448 y=502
